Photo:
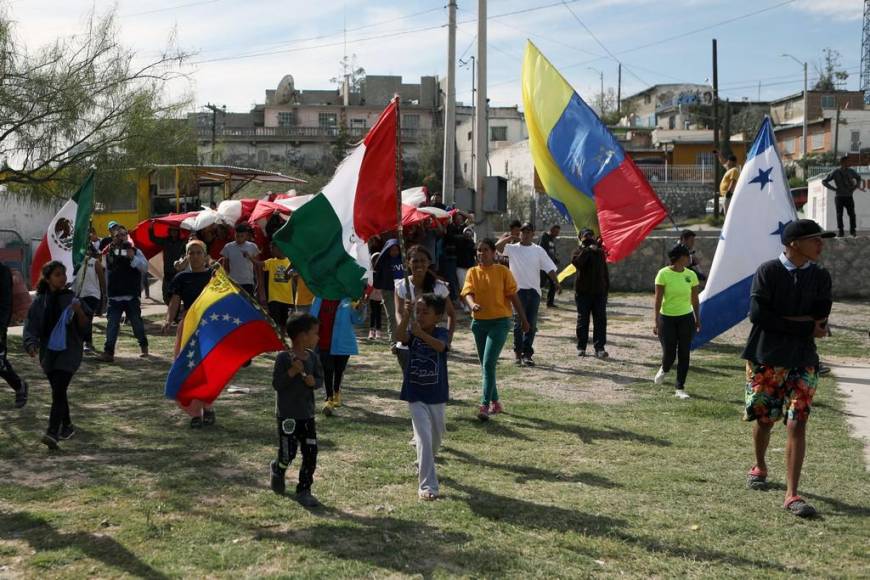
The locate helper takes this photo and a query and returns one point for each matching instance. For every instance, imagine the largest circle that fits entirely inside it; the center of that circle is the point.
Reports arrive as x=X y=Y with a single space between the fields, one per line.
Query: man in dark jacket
x=548 y=242
x=125 y=265
x=590 y=293
x=789 y=307
x=844 y=181
x=6 y=371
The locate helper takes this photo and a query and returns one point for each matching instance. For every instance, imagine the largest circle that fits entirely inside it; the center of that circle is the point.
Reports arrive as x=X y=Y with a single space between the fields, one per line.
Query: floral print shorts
x=773 y=393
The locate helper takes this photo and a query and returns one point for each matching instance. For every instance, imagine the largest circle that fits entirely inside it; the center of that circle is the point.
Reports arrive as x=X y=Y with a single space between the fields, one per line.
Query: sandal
x=799 y=507
x=756 y=479
x=427 y=495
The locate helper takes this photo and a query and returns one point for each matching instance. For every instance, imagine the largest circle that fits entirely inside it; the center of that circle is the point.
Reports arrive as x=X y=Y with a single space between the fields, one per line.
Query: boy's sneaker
x=305 y=499
x=196 y=423
x=681 y=394
x=601 y=354
x=328 y=408
x=50 y=441
x=483 y=412
x=660 y=376
x=495 y=408
x=208 y=417
x=106 y=357
x=581 y=352
x=21 y=395
x=336 y=399
x=378 y=335
x=519 y=361
x=67 y=431
x=88 y=348
x=276 y=480
x=528 y=362
x=371 y=334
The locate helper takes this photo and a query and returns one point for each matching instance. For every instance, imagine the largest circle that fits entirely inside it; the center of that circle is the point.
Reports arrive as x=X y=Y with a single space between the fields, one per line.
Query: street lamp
x=601 y=95
x=806 y=112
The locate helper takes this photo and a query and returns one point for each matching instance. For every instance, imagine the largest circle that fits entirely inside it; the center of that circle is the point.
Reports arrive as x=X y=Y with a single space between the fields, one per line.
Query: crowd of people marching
x=414 y=299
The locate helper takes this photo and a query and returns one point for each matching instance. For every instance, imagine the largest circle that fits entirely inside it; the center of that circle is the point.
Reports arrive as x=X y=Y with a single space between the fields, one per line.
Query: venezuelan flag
x=580 y=163
x=221 y=331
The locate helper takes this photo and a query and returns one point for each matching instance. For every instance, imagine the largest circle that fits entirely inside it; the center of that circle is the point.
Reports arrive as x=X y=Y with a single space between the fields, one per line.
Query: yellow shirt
x=304 y=297
x=728 y=180
x=492 y=287
x=280 y=287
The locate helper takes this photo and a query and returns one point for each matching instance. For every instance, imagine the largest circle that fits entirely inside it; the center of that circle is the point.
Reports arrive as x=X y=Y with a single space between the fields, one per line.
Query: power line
x=168 y=8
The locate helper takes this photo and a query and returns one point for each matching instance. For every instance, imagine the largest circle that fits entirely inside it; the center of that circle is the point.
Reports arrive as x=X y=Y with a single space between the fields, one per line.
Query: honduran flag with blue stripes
x=760 y=208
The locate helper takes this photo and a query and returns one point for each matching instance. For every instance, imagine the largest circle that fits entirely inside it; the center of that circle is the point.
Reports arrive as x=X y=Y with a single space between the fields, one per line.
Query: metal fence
x=679 y=173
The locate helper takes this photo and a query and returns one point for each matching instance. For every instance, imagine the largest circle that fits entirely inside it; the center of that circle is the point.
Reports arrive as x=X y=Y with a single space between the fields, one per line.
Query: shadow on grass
x=526 y=473
x=403 y=546
x=493 y=428
x=42 y=537
x=589 y=435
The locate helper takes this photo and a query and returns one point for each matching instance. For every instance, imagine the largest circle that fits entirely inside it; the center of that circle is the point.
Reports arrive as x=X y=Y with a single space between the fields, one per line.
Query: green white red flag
x=325 y=239
x=66 y=238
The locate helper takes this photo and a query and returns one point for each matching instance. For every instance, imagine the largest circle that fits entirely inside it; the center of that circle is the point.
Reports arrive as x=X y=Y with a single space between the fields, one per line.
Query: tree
x=831 y=74
x=356 y=74
x=81 y=101
x=748 y=120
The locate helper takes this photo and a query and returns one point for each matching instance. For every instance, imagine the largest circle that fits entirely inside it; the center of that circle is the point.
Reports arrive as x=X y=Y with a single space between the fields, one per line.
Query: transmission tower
x=865 y=53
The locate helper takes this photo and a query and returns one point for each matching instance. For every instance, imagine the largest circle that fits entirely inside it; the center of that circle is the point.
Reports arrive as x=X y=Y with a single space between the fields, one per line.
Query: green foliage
x=85 y=100
x=831 y=74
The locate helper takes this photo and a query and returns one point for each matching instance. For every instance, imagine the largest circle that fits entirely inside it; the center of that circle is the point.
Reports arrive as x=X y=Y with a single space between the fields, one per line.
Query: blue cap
x=113 y=224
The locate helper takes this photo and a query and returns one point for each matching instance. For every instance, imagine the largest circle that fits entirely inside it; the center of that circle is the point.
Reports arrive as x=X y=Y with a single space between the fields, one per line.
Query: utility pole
x=214 y=111
x=481 y=128
x=601 y=94
x=806 y=112
x=837 y=133
x=449 y=179
x=619 y=90
x=717 y=164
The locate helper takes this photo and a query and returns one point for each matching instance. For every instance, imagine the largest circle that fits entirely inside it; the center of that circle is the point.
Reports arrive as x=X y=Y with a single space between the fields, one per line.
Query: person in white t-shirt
x=527 y=261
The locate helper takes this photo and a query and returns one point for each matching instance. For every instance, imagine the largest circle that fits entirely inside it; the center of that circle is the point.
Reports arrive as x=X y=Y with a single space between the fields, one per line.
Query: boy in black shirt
x=296 y=375
x=789 y=308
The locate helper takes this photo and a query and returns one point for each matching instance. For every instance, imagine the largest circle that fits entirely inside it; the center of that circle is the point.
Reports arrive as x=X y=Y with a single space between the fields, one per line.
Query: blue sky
x=306 y=39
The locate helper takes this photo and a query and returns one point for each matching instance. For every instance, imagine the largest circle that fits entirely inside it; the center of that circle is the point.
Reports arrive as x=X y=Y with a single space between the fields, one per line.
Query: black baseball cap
x=802 y=230
x=586 y=232
x=527 y=226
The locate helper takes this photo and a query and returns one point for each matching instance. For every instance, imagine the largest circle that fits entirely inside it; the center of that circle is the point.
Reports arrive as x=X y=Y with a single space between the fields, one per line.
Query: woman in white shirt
x=91 y=288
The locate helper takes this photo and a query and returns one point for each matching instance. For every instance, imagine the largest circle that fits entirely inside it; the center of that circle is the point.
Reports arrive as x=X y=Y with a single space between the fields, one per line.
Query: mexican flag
x=325 y=239
x=66 y=238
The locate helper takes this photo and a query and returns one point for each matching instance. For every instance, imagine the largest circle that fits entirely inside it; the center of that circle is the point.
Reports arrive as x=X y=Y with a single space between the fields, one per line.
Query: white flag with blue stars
x=760 y=208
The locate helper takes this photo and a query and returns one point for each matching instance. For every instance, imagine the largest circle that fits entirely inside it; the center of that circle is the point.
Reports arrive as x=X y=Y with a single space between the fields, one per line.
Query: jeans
x=675 y=334
x=523 y=341
x=133 y=310
x=59 y=415
x=448 y=270
x=489 y=338
x=333 y=371
x=390 y=305
x=551 y=289
x=93 y=303
x=304 y=435
x=280 y=312
x=428 y=423
x=596 y=305
x=847 y=203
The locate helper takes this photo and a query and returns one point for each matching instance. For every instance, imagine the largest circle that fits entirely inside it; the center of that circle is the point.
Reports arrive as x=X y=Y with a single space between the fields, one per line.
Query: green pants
x=490 y=336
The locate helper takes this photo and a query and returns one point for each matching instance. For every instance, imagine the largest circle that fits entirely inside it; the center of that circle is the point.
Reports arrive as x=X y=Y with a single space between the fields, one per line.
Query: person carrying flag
x=789 y=308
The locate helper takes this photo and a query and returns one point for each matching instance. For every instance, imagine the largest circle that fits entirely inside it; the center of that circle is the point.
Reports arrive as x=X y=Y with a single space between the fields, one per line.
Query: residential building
x=507 y=126
x=665 y=106
x=853 y=136
x=790 y=110
x=300 y=128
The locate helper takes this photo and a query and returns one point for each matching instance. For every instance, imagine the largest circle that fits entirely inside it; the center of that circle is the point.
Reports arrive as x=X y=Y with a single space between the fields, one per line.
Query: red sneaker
x=483 y=413
x=495 y=408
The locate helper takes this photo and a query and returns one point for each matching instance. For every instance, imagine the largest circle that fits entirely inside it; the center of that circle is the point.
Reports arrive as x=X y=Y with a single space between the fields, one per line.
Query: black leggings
x=333 y=371
x=302 y=435
x=59 y=414
x=376 y=308
x=676 y=336
x=7 y=373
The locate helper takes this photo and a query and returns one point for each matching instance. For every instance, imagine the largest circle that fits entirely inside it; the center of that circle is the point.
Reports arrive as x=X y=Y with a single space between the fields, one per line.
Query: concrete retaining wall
x=847 y=259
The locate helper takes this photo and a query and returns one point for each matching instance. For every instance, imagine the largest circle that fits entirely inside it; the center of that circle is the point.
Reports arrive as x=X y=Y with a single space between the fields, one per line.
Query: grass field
x=592 y=472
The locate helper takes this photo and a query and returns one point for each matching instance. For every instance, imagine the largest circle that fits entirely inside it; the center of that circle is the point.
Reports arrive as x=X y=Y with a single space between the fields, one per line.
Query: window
x=829 y=102
x=262 y=157
x=357 y=123
x=287 y=118
x=410 y=121
x=817 y=140
x=327 y=120
x=788 y=146
x=498 y=133
x=855 y=143
x=705 y=158
x=647 y=99
x=470 y=135
x=788 y=111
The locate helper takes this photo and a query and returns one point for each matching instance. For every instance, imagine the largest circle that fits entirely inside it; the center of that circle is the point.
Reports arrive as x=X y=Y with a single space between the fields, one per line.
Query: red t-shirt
x=326 y=316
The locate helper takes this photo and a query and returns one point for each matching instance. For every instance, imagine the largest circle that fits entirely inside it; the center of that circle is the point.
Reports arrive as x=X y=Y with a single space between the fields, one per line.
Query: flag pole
x=399 y=230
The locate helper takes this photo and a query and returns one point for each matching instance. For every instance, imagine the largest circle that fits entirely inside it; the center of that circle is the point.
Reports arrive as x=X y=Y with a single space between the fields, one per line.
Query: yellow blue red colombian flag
x=584 y=170
x=221 y=331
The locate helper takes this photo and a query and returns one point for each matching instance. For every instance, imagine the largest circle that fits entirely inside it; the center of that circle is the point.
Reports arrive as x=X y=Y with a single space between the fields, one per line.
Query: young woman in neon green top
x=677 y=316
